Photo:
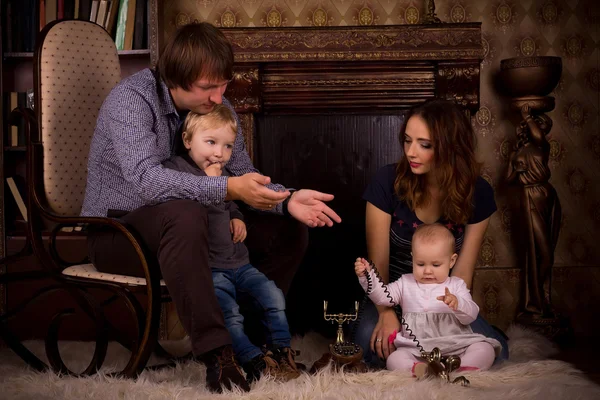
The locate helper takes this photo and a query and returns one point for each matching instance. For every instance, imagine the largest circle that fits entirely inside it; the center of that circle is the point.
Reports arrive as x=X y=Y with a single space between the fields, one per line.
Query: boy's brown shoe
x=288 y=369
x=222 y=370
x=260 y=365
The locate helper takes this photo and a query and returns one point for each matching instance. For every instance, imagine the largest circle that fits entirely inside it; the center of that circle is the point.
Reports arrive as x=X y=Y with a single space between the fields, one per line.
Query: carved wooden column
x=535 y=204
x=244 y=94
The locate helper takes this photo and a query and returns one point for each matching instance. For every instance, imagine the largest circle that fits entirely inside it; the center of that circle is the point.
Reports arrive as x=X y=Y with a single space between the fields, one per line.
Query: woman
x=436 y=180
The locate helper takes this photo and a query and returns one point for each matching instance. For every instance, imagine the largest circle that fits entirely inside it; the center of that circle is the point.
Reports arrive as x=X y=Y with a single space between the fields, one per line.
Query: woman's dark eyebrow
x=418 y=139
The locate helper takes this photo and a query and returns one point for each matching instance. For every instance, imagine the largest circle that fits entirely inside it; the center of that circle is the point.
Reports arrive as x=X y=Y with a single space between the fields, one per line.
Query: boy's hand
x=213 y=169
x=238 y=229
x=361 y=266
x=449 y=299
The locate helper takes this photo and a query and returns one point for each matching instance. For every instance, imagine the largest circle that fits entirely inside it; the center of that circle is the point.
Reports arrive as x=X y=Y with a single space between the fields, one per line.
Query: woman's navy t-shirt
x=381 y=194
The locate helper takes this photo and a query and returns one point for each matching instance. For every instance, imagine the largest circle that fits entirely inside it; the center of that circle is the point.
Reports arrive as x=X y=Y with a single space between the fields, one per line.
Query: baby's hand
x=361 y=266
x=238 y=229
x=213 y=169
x=449 y=299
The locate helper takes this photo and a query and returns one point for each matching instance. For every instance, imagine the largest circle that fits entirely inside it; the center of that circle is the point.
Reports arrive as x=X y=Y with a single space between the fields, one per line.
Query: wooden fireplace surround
x=321 y=108
x=352 y=70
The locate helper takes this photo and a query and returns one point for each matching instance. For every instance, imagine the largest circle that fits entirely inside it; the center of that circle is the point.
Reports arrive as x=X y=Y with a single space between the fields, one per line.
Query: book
x=94 y=10
x=111 y=18
x=68 y=9
x=14 y=130
x=128 y=41
x=141 y=25
x=42 y=14
x=51 y=10
x=85 y=8
x=102 y=9
x=121 y=24
x=17 y=196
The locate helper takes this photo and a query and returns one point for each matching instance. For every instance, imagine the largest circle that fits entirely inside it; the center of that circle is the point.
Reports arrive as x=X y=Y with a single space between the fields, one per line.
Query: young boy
x=209 y=140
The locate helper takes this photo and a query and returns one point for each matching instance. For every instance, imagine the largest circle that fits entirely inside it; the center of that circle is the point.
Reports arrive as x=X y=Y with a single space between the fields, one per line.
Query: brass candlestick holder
x=342 y=353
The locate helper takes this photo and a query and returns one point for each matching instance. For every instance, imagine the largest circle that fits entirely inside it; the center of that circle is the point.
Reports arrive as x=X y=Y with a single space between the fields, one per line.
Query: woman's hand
x=387 y=326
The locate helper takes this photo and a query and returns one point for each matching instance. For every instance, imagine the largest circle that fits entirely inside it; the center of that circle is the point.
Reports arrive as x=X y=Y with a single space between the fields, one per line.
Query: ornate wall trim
x=374 y=69
x=352 y=43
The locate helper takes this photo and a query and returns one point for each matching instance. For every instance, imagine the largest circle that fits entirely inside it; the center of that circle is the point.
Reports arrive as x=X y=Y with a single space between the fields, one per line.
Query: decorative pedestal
x=535 y=206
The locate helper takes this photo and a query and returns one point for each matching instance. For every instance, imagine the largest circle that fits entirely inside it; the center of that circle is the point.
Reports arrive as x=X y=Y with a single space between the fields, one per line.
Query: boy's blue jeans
x=229 y=283
x=370 y=316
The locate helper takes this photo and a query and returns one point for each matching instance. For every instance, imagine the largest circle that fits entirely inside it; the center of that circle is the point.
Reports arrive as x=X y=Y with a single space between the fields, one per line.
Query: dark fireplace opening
x=336 y=154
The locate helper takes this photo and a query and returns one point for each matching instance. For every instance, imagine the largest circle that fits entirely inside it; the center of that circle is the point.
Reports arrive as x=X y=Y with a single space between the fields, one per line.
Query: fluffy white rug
x=528 y=375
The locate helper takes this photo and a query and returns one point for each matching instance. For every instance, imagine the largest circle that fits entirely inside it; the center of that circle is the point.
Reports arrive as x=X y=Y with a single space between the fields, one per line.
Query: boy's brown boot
x=222 y=370
x=288 y=369
x=260 y=365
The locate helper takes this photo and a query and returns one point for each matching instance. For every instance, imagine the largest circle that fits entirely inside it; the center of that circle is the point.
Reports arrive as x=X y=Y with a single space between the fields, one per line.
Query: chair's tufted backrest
x=78 y=65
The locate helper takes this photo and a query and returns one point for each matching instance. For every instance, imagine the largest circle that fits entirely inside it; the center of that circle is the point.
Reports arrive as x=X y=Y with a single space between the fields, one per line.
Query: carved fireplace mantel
x=354 y=69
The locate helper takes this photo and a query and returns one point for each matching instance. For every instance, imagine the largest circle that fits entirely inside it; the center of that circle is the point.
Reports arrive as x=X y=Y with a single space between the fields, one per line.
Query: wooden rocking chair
x=75 y=67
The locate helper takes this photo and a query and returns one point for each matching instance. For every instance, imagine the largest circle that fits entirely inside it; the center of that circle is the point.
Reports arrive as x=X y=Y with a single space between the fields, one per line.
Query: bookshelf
x=16 y=75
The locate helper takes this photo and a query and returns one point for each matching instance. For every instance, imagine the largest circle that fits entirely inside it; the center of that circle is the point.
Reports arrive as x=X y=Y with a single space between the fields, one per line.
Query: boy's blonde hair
x=430 y=233
x=221 y=115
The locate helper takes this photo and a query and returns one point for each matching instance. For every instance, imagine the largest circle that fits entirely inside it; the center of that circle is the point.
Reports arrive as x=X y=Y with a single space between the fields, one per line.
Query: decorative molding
x=351 y=82
x=370 y=69
x=353 y=43
x=521 y=62
x=459 y=81
x=154 y=37
x=247 y=125
x=244 y=90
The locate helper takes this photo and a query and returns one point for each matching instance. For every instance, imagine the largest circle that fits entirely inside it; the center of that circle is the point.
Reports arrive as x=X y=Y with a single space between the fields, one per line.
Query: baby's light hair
x=220 y=116
x=430 y=233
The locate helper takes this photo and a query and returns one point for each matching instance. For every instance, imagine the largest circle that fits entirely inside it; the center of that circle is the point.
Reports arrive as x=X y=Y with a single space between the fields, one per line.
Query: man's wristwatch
x=284 y=205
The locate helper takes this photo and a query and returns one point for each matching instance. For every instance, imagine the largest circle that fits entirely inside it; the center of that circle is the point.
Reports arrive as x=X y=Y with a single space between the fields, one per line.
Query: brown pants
x=176 y=231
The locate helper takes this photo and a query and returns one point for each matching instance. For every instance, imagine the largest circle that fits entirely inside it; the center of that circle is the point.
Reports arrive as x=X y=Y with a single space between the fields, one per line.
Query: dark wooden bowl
x=529 y=76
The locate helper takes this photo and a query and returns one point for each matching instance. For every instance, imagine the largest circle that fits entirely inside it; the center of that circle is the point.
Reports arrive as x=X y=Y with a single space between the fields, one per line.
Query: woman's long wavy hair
x=454 y=163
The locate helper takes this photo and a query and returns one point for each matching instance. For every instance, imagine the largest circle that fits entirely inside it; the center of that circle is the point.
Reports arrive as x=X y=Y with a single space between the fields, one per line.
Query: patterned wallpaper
x=566 y=28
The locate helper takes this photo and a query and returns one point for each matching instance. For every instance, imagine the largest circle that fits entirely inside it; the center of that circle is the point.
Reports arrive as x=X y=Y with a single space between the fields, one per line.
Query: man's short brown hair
x=195 y=50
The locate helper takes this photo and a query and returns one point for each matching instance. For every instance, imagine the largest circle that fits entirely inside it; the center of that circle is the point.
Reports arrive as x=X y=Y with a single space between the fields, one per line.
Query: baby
x=437 y=308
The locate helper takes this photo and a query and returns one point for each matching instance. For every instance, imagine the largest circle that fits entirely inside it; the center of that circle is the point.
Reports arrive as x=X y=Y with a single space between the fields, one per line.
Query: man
x=137 y=129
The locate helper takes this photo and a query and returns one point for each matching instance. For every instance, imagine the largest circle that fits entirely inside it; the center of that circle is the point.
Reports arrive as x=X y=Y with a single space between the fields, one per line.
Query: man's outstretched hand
x=308 y=207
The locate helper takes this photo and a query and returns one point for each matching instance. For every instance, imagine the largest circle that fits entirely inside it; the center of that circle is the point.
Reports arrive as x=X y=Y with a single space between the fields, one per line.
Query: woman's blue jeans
x=369 y=317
